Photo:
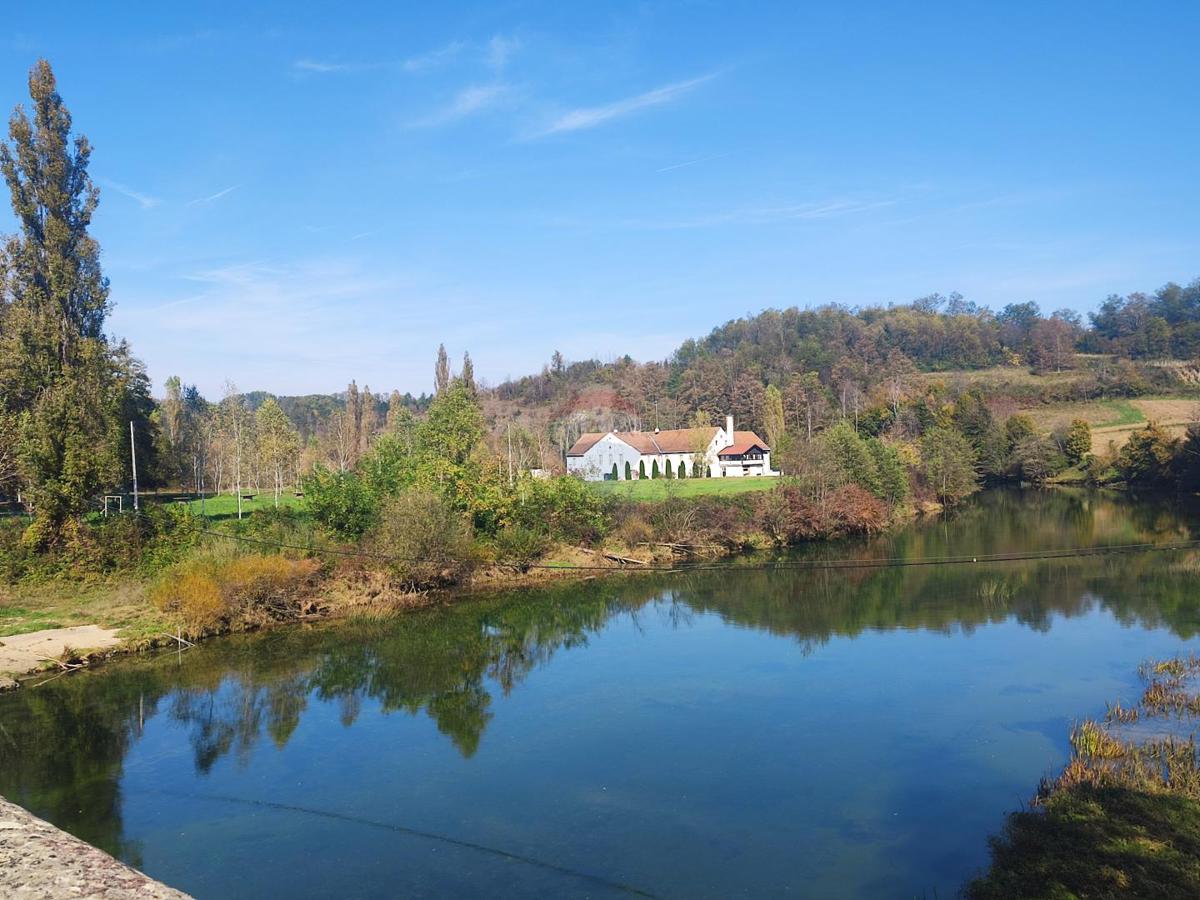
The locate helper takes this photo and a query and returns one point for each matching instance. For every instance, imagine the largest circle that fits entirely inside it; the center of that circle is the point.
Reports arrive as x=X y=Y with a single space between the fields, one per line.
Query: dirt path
x=24 y=653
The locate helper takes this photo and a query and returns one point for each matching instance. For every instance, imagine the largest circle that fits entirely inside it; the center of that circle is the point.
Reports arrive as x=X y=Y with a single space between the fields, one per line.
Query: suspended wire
x=404 y=829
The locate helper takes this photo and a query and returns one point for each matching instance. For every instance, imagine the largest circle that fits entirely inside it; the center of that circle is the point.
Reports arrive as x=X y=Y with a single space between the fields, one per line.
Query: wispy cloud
x=467 y=102
x=767 y=215
x=591 y=116
x=433 y=58
x=204 y=201
x=321 y=67
x=145 y=201
x=500 y=49
x=690 y=162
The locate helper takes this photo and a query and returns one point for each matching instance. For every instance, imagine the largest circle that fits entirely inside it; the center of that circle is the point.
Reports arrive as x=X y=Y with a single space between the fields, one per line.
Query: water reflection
x=62 y=746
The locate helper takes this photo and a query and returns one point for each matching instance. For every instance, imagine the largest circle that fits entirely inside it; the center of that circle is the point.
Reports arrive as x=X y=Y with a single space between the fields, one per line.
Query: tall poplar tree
x=59 y=376
x=441 y=371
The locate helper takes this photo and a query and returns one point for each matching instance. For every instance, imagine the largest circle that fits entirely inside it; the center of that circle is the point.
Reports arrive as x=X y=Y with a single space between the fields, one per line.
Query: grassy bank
x=1123 y=818
x=653 y=489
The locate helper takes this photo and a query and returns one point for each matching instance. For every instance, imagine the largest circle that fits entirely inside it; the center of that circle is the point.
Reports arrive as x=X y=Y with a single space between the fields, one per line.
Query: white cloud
x=145 y=201
x=467 y=102
x=204 y=201
x=295 y=325
x=766 y=215
x=319 y=67
x=500 y=49
x=433 y=58
x=690 y=162
x=591 y=116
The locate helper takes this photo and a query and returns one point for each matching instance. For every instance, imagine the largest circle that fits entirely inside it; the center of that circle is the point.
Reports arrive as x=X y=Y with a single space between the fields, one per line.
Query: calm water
x=835 y=734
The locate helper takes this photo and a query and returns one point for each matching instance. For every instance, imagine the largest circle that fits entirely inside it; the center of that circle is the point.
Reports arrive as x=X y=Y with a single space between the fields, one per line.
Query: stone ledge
x=39 y=860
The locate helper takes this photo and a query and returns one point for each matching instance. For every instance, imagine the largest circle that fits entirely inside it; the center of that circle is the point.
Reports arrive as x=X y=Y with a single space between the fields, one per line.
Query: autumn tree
x=235 y=423
x=441 y=371
x=773 y=422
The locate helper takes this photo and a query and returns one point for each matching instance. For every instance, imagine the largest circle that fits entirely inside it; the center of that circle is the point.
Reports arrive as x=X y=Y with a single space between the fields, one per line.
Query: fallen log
x=613 y=557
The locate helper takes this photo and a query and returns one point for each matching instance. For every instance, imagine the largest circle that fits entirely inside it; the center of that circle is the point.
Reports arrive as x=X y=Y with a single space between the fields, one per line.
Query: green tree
x=773 y=421
x=681 y=471
x=59 y=376
x=893 y=474
x=852 y=457
x=654 y=469
x=613 y=475
x=668 y=470
x=641 y=468
x=628 y=471
x=1078 y=442
x=278 y=444
x=948 y=462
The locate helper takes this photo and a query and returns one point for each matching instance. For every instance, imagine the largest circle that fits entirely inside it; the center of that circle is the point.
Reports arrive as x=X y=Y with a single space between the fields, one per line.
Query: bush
x=562 y=508
x=145 y=541
x=520 y=547
x=208 y=592
x=427 y=542
x=341 y=502
x=1148 y=456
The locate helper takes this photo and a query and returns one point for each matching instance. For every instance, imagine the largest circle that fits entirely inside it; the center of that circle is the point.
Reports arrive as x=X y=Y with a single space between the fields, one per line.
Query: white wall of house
x=599 y=458
x=597 y=462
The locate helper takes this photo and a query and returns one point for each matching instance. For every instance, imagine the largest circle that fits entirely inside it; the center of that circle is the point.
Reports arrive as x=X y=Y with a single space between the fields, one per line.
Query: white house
x=696 y=452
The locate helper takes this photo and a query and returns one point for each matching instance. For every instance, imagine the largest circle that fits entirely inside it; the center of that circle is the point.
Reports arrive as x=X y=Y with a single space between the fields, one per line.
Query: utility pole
x=133 y=457
x=510 y=472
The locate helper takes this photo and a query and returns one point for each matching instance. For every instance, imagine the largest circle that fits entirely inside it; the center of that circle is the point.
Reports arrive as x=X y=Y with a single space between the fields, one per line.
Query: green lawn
x=661 y=488
x=1123 y=413
x=225 y=505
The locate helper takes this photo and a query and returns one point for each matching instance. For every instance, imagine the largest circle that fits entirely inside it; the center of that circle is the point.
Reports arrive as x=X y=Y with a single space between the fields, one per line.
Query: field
x=1113 y=421
x=650 y=489
x=224 y=506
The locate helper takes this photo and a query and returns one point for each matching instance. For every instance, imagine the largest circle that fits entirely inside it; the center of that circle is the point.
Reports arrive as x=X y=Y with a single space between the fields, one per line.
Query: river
x=741 y=733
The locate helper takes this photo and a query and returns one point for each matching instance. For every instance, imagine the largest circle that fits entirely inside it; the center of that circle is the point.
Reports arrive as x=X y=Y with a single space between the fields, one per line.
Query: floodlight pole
x=133 y=457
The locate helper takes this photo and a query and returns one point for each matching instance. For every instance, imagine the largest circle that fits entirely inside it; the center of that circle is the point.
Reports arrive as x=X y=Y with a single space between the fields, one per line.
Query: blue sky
x=297 y=194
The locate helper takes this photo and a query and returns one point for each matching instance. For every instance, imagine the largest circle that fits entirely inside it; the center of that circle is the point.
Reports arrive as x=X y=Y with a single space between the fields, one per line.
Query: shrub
x=628 y=471
x=563 y=508
x=654 y=469
x=1147 y=456
x=613 y=475
x=520 y=547
x=682 y=473
x=641 y=468
x=341 y=502
x=208 y=591
x=427 y=542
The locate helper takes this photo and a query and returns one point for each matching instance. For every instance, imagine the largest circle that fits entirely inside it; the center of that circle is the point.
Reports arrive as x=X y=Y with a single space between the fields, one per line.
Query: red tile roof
x=586 y=442
x=650 y=443
x=743 y=442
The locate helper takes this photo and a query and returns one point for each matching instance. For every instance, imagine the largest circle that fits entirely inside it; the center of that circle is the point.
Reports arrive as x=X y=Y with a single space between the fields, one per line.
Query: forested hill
x=854 y=353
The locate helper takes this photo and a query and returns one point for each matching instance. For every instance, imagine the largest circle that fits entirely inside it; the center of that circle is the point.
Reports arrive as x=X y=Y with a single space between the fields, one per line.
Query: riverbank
x=341 y=584
x=1123 y=817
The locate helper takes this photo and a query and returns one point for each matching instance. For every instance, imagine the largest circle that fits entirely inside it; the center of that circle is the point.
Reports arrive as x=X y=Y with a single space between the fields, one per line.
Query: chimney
x=729 y=427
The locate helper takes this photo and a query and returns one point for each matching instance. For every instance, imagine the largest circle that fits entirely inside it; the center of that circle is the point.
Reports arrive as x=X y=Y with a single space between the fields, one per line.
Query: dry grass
x=209 y=593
